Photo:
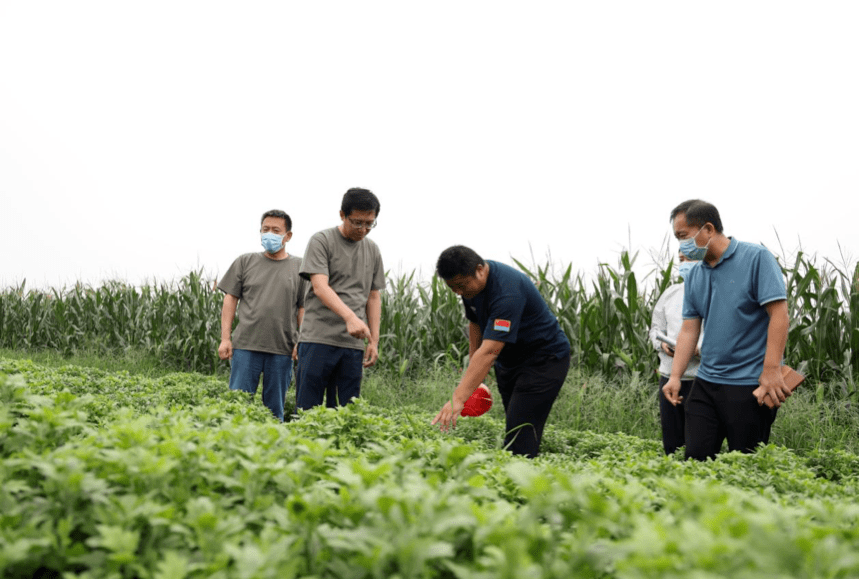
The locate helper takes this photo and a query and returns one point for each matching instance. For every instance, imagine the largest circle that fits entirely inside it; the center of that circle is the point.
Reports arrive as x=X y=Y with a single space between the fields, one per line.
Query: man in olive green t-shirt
x=343 y=305
x=269 y=293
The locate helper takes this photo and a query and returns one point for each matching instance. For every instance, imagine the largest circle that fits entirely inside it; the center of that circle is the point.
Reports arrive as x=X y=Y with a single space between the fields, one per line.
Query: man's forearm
x=374 y=315
x=777 y=335
x=228 y=313
x=684 y=350
x=480 y=364
x=331 y=300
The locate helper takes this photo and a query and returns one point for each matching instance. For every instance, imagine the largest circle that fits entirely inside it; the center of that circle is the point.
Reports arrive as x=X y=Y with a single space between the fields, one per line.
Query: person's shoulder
x=249 y=257
x=752 y=250
x=326 y=234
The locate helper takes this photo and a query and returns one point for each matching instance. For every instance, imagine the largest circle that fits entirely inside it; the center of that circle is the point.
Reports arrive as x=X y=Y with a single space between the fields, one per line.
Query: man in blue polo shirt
x=739 y=293
x=511 y=327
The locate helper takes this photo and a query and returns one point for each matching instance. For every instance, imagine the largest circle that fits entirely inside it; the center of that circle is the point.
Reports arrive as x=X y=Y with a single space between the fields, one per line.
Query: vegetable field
x=113 y=474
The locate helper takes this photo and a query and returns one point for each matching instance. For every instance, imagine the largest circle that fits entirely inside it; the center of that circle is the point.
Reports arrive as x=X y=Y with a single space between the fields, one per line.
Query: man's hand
x=667 y=349
x=671 y=390
x=357 y=329
x=447 y=417
x=225 y=349
x=295 y=352
x=772 y=390
x=371 y=354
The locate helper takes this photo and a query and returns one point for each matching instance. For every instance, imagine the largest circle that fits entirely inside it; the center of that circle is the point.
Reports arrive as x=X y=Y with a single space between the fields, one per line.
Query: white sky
x=140 y=140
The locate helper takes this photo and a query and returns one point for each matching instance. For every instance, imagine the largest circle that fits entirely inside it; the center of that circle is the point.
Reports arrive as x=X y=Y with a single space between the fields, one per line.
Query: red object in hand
x=479 y=403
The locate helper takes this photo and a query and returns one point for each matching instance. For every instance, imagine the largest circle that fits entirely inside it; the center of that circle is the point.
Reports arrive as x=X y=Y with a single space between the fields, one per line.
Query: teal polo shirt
x=730 y=299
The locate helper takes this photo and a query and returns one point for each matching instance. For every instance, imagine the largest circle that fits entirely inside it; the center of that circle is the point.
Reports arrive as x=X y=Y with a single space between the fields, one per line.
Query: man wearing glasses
x=343 y=305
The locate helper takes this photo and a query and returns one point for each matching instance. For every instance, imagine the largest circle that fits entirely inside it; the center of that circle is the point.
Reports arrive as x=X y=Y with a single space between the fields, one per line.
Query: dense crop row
x=606 y=320
x=172 y=477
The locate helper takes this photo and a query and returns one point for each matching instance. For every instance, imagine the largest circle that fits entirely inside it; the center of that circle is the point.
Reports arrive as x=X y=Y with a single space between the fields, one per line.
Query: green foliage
x=198 y=484
x=179 y=323
x=423 y=325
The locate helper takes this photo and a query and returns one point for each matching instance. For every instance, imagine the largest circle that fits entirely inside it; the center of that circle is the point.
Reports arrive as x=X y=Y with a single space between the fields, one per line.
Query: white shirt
x=667 y=320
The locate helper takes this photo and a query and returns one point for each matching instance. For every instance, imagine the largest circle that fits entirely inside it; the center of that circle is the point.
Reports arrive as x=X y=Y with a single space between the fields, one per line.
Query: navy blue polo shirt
x=731 y=297
x=511 y=310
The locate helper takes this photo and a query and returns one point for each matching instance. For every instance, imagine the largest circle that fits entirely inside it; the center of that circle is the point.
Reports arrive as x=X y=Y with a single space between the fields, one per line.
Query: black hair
x=276 y=213
x=458 y=261
x=698 y=213
x=359 y=199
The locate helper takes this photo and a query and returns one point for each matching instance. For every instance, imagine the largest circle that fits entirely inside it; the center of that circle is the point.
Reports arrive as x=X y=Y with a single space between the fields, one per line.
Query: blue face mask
x=272 y=242
x=692 y=250
x=684 y=269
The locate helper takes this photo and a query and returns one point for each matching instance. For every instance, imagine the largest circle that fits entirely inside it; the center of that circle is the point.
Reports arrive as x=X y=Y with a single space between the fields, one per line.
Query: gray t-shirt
x=353 y=270
x=270 y=293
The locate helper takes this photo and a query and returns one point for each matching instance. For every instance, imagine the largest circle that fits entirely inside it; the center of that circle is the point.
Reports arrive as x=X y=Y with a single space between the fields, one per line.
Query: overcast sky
x=140 y=140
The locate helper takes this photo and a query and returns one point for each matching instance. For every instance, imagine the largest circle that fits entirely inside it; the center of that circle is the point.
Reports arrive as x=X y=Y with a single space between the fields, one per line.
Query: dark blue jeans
x=327 y=371
x=245 y=371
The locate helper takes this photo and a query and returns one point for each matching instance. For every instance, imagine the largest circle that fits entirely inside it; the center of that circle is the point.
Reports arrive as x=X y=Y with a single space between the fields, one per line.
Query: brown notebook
x=791 y=377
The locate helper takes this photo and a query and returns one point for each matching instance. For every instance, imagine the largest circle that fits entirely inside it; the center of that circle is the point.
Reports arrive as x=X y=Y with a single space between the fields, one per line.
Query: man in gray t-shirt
x=269 y=293
x=343 y=305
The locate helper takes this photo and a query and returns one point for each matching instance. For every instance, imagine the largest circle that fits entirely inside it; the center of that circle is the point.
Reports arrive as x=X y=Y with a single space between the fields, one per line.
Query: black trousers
x=716 y=412
x=672 y=417
x=528 y=393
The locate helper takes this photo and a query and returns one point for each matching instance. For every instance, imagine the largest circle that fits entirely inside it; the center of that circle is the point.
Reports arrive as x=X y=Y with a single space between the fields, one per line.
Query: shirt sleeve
x=690 y=311
x=506 y=312
x=378 y=282
x=231 y=283
x=315 y=260
x=302 y=290
x=659 y=323
x=769 y=282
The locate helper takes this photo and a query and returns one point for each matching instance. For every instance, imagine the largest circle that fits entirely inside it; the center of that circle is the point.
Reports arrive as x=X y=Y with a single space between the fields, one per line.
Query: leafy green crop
x=181 y=478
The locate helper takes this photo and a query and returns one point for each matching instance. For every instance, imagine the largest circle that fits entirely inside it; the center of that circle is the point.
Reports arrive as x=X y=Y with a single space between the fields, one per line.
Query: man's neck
x=280 y=255
x=719 y=245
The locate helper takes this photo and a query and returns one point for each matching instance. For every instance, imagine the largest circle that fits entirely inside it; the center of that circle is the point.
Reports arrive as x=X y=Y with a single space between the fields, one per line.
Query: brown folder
x=791 y=377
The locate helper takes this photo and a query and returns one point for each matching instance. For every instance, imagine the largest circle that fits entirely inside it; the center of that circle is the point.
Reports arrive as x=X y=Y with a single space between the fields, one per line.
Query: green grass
x=808 y=422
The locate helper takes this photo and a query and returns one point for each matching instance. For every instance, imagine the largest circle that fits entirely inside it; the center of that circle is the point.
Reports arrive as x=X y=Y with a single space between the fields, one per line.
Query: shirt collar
x=733 y=245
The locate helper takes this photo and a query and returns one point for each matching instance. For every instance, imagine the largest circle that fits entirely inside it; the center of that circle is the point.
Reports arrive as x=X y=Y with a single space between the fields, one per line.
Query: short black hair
x=276 y=213
x=458 y=261
x=698 y=213
x=359 y=199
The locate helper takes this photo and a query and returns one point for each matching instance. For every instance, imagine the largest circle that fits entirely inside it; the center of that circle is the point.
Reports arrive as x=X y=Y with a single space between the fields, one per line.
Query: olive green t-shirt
x=353 y=270
x=270 y=293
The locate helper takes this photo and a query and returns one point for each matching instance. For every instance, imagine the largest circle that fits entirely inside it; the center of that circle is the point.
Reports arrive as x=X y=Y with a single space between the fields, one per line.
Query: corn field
x=606 y=319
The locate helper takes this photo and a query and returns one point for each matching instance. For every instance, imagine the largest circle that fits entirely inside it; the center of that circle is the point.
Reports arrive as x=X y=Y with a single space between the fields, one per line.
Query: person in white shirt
x=666 y=321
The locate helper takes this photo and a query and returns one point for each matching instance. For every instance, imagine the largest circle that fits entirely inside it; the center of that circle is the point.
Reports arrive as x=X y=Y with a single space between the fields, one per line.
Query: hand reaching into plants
x=447 y=417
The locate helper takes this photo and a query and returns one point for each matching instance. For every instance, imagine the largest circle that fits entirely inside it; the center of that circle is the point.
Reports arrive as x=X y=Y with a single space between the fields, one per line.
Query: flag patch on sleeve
x=502 y=325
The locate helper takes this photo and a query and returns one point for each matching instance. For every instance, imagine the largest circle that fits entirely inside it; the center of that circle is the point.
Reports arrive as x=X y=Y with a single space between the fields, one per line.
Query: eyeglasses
x=366 y=225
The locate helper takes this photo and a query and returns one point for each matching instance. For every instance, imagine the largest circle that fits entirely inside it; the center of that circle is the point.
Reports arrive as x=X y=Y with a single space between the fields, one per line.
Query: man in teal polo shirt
x=738 y=294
